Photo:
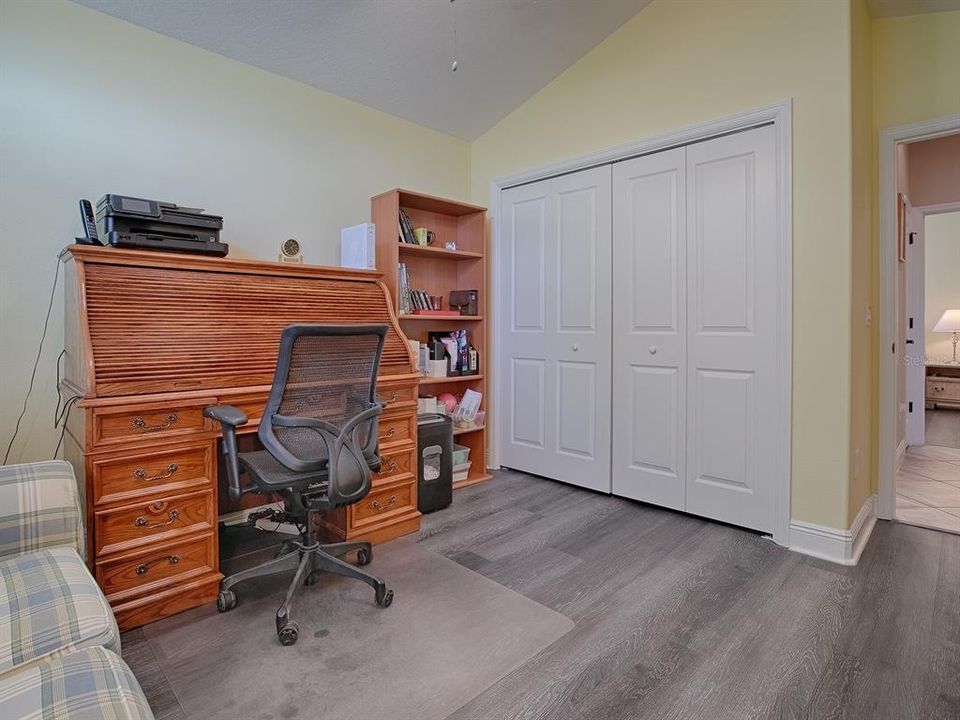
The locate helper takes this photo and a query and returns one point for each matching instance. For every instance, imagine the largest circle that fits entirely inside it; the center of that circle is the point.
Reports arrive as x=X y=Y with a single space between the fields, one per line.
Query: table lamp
x=950 y=322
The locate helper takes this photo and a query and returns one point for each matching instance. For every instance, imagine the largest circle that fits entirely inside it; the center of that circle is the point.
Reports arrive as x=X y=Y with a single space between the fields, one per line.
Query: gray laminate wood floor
x=676 y=617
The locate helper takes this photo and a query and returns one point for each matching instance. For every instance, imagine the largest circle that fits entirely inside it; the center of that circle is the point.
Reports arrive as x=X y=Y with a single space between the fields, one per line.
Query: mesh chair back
x=323 y=373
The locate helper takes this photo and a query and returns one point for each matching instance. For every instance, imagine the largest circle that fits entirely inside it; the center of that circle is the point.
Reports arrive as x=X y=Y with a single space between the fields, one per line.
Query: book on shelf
x=403 y=296
x=406 y=229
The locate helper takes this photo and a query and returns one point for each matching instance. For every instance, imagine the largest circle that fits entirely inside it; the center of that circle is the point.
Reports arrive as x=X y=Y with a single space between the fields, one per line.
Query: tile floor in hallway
x=942 y=427
x=928 y=483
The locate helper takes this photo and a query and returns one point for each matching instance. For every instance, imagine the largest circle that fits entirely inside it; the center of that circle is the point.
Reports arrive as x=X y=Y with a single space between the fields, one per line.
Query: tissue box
x=358 y=246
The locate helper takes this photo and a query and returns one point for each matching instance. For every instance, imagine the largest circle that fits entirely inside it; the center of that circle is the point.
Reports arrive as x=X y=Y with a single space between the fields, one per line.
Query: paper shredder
x=434 y=462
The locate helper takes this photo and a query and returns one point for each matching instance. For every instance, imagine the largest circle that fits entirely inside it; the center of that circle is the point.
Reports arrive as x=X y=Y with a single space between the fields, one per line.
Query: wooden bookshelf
x=438 y=271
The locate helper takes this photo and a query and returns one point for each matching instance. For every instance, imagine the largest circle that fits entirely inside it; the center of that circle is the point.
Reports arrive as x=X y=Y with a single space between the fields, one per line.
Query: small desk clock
x=290 y=251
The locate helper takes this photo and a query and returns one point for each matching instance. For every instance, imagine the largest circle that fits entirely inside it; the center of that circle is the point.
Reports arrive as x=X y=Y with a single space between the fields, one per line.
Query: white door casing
x=914 y=339
x=555 y=341
x=649 y=328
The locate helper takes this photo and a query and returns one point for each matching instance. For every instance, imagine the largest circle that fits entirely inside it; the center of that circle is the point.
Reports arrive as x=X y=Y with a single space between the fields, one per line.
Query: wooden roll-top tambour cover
x=151 y=339
x=161 y=322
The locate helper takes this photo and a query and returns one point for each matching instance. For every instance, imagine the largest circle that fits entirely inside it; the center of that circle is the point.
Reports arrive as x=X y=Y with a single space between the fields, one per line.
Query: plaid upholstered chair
x=59 y=642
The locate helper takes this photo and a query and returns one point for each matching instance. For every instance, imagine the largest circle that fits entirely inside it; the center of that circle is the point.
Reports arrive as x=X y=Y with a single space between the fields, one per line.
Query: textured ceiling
x=891 y=8
x=395 y=55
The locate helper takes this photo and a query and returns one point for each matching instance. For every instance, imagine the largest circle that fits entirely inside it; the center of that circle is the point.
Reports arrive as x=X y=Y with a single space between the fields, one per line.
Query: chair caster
x=226 y=600
x=384 y=597
x=288 y=633
x=364 y=556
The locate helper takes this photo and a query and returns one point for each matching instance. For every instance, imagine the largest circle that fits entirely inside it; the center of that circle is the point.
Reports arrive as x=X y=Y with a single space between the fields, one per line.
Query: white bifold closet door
x=649 y=328
x=695 y=337
x=554 y=345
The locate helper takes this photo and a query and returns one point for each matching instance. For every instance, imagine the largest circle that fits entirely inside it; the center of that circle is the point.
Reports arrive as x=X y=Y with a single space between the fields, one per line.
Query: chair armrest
x=40 y=507
x=230 y=418
x=226 y=415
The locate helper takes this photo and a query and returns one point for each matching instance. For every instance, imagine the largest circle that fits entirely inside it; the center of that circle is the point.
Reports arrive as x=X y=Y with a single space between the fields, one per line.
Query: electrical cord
x=56 y=412
x=36 y=362
x=67 y=406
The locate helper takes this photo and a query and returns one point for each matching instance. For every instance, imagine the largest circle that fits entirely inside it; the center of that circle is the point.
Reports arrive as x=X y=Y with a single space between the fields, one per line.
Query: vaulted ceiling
x=396 y=55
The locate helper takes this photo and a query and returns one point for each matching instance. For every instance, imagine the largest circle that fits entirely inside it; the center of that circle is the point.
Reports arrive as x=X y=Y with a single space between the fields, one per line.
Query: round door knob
x=653 y=349
x=576 y=347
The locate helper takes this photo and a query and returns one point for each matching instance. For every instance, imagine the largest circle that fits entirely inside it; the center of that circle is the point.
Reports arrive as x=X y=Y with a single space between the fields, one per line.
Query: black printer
x=151 y=225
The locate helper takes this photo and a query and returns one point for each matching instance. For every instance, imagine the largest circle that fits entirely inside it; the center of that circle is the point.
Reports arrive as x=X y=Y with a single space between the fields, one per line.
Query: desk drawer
x=142 y=523
x=154 y=420
x=398 y=394
x=383 y=502
x=160 y=566
x=394 y=464
x=163 y=471
x=395 y=429
x=251 y=405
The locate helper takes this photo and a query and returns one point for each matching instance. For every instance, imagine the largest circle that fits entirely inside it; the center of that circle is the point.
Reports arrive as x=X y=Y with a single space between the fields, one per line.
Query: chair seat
x=50 y=605
x=270 y=474
x=91 y=684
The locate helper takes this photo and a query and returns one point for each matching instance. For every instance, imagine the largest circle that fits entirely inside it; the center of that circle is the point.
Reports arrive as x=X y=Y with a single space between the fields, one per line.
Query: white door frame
x=925 y=211
x=780 y=114
x=914 y=298
x=887 y=337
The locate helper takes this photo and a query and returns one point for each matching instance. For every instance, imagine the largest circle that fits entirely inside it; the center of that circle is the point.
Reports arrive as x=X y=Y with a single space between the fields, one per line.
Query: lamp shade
x=948 y=322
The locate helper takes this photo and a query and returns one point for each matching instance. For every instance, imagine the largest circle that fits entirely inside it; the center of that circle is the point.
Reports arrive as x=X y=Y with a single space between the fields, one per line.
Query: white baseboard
x=839 y=546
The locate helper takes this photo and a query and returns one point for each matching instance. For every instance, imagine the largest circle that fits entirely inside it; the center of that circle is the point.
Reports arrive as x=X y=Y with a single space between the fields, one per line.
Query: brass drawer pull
x=391 y=432
x=138 y=423
x=389 y=468
x=378 y=506
x=141 y=474
x=172 y=516
x=394 y=396
x=142 y=568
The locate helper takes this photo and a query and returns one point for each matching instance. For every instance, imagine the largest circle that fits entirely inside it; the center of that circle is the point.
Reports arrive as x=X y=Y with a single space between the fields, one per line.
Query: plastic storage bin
x=461 y=454
x=460 y=472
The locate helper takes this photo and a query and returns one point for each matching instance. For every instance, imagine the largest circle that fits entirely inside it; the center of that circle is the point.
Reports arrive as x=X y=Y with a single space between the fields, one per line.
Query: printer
x=151 y=225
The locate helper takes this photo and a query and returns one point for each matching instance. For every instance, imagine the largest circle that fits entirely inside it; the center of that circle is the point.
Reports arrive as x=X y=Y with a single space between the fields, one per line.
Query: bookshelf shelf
x=424 y=380
x=472 y=480
x=439 y=318
x=437 y=252
x=466 y=431
x=438 y=271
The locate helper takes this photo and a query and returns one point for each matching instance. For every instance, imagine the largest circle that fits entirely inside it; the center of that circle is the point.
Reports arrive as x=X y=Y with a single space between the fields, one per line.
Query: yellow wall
x=916 y=77
x=677 y=63
x=916 y=68
x=92 y=105
x=862 y=192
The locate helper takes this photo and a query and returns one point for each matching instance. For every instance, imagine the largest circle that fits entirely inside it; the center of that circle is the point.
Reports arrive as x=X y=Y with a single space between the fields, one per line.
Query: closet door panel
x=732 y=260
x=649 y=326
x=556 y=348
x=524 y=228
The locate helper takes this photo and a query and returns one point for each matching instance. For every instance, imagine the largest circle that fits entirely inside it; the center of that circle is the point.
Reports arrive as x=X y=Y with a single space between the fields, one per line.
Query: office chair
x=320 y=434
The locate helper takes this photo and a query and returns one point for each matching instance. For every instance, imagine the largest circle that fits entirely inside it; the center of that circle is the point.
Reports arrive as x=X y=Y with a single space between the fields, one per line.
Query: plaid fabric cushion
x=50 y=605
x=39 y=508
x=90 y=684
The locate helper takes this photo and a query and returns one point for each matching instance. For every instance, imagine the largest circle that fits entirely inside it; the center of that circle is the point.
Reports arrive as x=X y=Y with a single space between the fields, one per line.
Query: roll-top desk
x=152 y=339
